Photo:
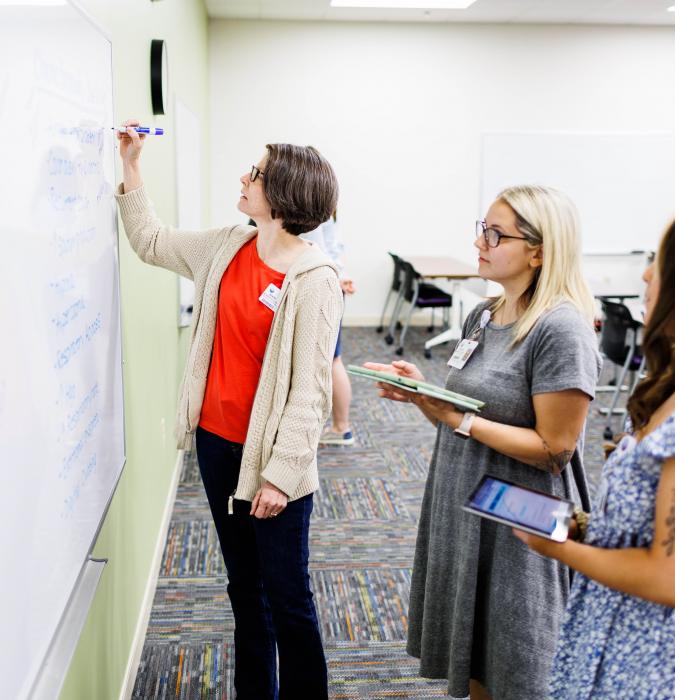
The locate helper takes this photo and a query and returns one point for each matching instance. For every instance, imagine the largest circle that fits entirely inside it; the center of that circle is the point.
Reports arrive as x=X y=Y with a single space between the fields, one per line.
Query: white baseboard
x=418 y=319
x=150 y=587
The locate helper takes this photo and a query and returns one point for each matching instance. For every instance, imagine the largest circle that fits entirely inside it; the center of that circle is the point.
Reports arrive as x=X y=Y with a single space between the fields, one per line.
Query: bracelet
x=581 y=518
x=463 y=430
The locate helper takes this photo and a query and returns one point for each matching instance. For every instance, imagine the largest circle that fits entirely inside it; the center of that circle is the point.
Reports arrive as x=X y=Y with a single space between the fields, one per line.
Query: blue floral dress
x=614 y=646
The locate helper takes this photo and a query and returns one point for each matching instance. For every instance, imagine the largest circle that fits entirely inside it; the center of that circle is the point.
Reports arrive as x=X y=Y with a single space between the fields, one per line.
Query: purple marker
x=150 y=131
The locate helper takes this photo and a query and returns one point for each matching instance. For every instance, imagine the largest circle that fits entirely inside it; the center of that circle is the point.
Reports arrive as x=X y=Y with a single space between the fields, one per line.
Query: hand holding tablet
x=523 y=508
x=418 y=386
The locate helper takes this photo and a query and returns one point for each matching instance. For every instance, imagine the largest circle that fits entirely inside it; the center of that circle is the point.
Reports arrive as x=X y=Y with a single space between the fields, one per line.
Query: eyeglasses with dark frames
x=492 y=236
x=256 y=172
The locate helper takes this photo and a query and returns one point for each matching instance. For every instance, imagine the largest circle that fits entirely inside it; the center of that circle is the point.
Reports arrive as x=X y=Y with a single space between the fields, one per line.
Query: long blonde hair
x=548 y=218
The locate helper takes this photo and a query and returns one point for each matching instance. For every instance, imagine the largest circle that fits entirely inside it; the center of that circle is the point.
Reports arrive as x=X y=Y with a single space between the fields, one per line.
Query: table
x=445 y=267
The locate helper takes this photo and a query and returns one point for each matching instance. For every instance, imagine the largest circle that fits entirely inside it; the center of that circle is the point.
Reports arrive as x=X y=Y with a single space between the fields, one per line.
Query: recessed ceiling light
x=406 y=4
x=23 y=3
x=671 y=8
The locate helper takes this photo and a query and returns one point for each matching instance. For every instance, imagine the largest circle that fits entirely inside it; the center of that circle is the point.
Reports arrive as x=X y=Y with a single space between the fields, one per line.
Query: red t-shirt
x=242 y=328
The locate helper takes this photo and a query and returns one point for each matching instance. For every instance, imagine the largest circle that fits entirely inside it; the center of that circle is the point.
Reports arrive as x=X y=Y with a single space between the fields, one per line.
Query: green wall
x=153 y=346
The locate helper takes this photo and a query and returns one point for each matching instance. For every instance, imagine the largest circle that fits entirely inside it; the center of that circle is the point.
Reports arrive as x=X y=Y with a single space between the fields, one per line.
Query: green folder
x=414 y=385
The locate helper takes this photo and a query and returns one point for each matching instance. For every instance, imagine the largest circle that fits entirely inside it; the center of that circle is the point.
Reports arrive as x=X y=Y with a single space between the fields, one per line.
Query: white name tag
x=462 y=353
x=270 y=297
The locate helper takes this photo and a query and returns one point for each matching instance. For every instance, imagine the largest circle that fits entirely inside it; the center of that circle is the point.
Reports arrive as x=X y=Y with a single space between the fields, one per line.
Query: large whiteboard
x=622 y=183
x=61 y=413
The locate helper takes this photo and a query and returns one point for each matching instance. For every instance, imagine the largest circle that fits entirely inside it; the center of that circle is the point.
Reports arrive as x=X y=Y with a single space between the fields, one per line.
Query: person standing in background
x=327 y=237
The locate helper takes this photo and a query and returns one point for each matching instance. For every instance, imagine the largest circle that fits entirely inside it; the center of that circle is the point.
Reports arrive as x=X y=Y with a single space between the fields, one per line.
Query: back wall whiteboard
x=622 y=183
x=61 y=407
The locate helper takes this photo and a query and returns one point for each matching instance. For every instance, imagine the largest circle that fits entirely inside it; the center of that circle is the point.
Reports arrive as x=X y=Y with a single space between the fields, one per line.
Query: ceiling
x=646 y=12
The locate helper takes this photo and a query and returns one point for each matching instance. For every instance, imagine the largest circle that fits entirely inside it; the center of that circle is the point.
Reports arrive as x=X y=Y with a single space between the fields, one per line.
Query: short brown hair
x=300 y=186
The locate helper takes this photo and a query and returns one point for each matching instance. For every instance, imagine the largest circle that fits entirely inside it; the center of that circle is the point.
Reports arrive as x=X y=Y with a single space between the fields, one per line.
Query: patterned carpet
x=362 y=542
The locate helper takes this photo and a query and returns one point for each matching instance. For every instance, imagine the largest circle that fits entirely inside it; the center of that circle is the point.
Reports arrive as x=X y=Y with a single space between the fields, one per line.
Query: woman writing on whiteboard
x=484 y=610
x=256 y=391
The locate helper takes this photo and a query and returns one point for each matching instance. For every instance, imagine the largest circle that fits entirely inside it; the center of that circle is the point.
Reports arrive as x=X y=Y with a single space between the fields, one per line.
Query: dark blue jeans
x=268 y=584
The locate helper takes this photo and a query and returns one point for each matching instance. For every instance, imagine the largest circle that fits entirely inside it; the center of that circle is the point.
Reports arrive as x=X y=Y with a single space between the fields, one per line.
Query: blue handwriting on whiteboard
x=75 y=416
x=86 y=136
x=65 y=284
x=63 y=357
x=69 y=502
x=70 y=314
x=61 y=201
x=58 y=164
x=67 y=244
x=70 y=459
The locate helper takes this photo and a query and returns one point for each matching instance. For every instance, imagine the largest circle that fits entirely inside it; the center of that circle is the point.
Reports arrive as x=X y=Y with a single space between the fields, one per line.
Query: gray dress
x=482 y=604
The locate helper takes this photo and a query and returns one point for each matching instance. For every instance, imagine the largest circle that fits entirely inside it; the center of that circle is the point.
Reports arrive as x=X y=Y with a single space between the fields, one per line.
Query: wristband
x=463 y=430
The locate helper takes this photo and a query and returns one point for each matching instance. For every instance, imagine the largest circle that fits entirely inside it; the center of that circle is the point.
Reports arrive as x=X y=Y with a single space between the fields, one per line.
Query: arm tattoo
x=669 y=542
x=554 y=463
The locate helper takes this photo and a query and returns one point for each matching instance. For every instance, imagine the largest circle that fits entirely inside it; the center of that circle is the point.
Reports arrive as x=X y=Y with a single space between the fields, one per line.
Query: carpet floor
x=362 y=542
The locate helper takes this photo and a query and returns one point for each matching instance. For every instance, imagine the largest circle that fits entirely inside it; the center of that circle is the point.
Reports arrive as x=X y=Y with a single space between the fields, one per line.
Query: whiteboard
x=615 y=274
x=61 y=412
x=622 y=183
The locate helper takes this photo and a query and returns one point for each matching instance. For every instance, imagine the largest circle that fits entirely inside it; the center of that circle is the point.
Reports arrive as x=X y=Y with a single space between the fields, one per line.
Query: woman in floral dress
x=618 y=637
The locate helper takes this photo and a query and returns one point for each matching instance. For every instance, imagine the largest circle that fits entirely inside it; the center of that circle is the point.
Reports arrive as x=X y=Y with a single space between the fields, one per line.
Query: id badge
x=270 y=297
x=462 y=353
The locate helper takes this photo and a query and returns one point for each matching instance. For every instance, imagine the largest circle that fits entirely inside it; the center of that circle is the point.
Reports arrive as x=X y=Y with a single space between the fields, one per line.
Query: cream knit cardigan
x=293 y=398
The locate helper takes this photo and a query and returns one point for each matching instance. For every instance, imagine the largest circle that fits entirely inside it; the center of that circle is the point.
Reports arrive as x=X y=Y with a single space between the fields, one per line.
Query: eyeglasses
x=255 y=172
x=492 y=236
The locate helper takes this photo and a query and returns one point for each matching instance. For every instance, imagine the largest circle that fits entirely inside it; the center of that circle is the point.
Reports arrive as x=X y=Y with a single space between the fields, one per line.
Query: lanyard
x=466 y=347
x=484 y=320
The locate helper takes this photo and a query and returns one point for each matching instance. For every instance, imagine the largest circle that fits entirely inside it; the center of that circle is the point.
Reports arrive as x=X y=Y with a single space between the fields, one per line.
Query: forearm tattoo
x=669 y=542
x=554 y=463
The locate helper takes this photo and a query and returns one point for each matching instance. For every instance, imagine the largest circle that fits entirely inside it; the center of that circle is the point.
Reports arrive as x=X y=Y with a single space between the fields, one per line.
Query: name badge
x=462 y=353
x=270 y=297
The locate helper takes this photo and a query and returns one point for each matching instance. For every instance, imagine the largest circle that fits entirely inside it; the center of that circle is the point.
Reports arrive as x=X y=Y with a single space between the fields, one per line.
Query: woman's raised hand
x=403 y=369
x=131 y=143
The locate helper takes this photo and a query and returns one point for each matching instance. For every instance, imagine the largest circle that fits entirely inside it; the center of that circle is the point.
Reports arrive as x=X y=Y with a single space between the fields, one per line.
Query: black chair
x=421 y=295
x=396 y=289
x=619 y=344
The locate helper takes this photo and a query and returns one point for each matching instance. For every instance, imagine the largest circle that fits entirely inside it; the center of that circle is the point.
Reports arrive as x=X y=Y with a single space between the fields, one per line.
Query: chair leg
x=637 y=376
x=389 y=338
x=384 y=311
x=608 y=432
x=399 y=350
x=431 y=327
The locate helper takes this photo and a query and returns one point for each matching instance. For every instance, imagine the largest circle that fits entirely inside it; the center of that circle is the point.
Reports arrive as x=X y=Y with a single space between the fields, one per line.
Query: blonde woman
x=484 y=609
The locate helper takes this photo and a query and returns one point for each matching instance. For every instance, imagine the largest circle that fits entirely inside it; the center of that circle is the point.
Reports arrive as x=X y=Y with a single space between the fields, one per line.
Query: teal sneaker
x=330 y=437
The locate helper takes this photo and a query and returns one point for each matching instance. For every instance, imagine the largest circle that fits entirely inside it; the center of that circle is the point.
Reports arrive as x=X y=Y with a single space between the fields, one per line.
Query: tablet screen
x=516 y=504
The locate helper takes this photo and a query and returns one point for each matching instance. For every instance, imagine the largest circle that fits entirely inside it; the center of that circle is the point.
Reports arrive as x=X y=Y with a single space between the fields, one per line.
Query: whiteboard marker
x=150 y=131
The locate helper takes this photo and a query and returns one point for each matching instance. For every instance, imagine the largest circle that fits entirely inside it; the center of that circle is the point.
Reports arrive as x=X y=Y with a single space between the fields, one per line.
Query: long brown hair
x=658 y=344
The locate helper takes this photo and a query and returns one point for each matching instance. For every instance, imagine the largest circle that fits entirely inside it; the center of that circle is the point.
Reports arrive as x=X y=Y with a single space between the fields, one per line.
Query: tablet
x=521 y=507
x=459 y=400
